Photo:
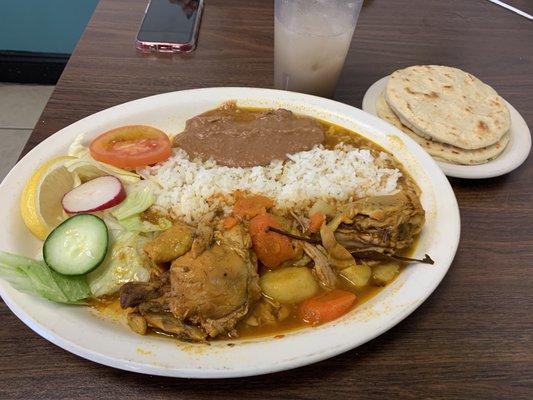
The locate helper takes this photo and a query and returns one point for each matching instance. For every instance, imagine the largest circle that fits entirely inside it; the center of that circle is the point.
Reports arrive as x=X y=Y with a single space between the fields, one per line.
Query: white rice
x=192 y=188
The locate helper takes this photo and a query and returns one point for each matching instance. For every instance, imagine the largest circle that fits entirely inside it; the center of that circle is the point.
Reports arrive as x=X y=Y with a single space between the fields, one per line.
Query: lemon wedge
x=40 y=202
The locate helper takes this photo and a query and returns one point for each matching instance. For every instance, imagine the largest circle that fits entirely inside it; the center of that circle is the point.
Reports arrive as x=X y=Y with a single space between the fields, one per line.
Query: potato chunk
x=289 y=285
x=137 y=323
x=357 y=275
x=171 y=244
x=384 y=274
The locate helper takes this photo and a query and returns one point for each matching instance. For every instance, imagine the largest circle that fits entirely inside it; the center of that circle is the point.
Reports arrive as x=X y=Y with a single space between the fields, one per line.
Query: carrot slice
x=271 y=248
x=316 y=221
x=249 y=207
x=229 y=222
x=326 y=306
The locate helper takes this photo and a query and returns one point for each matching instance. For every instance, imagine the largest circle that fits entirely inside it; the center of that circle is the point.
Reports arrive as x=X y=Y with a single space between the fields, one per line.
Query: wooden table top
x=471 y=339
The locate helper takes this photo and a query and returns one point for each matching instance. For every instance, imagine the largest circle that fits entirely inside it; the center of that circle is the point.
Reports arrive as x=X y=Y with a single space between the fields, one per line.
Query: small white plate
x=98 y=339
x=512 y=157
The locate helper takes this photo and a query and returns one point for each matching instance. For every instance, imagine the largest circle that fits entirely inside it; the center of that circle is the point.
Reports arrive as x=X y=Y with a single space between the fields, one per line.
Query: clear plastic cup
x=311 y=40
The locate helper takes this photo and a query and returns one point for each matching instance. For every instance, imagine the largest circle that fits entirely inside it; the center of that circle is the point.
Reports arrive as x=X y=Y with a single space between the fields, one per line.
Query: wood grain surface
x=472 y=339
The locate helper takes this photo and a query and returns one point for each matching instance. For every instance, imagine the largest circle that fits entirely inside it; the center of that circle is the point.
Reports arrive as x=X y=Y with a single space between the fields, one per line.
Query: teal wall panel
x=44 y=26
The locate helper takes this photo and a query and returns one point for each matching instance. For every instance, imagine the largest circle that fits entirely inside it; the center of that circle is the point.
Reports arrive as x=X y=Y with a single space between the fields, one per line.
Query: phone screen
x=171 y=21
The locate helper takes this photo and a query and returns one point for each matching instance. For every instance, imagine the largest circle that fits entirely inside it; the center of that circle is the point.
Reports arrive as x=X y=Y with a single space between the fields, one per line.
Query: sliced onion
x=322 y=206
x=95 y=195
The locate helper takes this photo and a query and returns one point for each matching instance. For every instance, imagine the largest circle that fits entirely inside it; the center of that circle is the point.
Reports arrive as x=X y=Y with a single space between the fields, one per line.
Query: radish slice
x=95 y=195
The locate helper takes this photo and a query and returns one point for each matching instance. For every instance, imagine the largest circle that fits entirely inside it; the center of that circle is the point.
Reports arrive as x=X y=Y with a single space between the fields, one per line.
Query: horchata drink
x=311 y=40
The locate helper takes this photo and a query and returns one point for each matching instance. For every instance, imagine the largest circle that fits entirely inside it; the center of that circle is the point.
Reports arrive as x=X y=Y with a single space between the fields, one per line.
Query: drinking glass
x=311 y=40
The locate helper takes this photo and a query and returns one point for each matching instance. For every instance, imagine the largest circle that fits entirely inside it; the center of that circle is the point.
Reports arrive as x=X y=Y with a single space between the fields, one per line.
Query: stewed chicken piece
x=208 y=294
x=215 y=289
x=390 y=222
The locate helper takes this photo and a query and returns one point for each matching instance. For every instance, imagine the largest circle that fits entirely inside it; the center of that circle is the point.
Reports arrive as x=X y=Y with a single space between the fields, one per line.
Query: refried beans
x=239 y=137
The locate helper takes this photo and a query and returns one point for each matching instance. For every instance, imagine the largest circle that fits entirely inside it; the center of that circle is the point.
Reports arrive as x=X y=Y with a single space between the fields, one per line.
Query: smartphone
x=170 y=26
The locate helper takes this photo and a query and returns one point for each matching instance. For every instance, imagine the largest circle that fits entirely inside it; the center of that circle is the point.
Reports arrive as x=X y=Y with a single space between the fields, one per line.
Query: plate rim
x=261 y=369
x=481 y=171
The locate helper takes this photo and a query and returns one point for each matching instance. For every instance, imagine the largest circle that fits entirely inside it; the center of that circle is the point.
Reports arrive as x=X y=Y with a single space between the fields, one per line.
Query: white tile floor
x=20 y=108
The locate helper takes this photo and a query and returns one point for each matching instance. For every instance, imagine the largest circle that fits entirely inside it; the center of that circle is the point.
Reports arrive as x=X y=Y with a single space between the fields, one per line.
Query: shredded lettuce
x=35 y=277
x=135 y=203
x=77 y=149
x=126 y=261
x=135 y=224
x=113 y=227
x=88 y=168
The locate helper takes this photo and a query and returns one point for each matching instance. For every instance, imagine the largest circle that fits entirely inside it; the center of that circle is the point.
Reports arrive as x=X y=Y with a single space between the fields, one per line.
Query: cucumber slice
x=77 y=246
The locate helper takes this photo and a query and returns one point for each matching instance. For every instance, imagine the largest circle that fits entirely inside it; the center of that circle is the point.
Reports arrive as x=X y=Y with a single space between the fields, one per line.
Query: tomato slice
x=131 y=146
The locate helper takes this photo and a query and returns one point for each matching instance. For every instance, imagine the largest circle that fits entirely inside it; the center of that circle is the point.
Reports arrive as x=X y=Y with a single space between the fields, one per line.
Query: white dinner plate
x=511 y=158
x=83 y=332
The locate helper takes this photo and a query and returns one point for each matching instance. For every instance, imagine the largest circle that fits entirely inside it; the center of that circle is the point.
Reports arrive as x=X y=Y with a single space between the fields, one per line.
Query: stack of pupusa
x=450 y=113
